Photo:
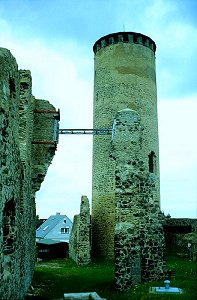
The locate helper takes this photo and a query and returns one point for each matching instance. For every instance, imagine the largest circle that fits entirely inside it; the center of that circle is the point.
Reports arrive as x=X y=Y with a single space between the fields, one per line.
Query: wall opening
x=8 y=227
x=24 y=86
x=12 y=86
x=152 y=162
x=181 y=229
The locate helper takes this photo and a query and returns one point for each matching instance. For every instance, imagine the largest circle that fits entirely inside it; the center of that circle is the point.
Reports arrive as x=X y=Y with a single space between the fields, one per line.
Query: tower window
x=152 y=162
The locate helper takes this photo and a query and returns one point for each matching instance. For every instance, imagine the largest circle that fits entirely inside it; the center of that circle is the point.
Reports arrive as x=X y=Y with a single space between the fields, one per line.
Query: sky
x=54 y=39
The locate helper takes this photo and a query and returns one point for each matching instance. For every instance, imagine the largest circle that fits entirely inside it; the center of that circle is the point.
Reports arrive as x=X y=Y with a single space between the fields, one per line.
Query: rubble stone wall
x=139 y=237
x=18 y=176
x=79 y=240
x=127 y=256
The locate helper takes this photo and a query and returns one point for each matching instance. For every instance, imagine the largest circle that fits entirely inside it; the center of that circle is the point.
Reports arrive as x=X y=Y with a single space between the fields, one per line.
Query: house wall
x=56 y=234
x=19 y=178
x=124 y=78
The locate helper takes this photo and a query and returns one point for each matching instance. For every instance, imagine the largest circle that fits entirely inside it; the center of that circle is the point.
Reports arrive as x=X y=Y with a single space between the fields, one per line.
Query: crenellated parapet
x=124 y=37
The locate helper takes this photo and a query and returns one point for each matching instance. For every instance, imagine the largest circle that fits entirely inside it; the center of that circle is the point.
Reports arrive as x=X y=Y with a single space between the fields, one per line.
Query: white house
x=55 y=228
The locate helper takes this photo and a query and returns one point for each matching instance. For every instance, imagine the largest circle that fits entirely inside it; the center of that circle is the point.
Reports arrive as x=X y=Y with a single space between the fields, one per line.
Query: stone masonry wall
x=139 y=238
x=181 y=232
x=44 y=141
x=17 y=175
x=124 y=78
x=79 y=241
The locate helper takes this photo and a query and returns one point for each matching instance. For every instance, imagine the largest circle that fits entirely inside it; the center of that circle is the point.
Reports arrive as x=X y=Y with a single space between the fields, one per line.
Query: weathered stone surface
x=18 y=177
x=139 y=238
x=127 y=256
x=124 y=78
x=79 y=240
x=42 y=154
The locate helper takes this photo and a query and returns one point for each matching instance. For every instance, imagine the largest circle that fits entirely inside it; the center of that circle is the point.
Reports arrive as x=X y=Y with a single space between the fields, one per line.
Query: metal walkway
x=101 y=131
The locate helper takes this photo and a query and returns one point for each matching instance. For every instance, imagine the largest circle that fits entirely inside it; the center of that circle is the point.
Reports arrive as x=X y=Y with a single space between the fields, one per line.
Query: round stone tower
x=124 y=78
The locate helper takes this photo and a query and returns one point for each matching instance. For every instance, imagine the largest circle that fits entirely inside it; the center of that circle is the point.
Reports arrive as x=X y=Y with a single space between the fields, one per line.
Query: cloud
x=57 y=48
x=63 y=78
x=177 y=130
x=176 y=47
x=176 y=61
x=178 y=156
x=169 y=24
x=159 y=10
x=68 y=178
x=175 y=198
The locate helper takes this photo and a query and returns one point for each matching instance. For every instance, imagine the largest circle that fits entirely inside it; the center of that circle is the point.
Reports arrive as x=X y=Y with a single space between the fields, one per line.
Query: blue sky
x=54 y=39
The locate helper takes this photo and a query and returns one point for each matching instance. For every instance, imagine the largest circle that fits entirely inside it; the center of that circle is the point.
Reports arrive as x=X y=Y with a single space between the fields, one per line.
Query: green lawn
x=54 y=278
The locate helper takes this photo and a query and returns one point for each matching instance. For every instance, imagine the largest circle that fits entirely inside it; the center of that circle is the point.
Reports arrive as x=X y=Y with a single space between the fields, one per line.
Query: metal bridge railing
x=100 y=131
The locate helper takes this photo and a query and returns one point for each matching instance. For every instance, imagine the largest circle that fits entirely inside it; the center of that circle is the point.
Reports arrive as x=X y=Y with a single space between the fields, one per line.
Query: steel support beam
x=101 y=131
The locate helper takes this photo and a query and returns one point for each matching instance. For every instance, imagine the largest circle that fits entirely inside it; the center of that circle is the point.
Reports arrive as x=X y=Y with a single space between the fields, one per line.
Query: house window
x=152 y=162
x=65 y=230
x=64 y=220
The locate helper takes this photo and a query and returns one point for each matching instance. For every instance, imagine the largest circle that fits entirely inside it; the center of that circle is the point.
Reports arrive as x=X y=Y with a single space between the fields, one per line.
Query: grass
x=54 y=278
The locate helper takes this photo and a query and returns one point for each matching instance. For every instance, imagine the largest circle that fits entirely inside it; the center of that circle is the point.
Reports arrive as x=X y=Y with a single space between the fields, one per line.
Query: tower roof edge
x=124 y=37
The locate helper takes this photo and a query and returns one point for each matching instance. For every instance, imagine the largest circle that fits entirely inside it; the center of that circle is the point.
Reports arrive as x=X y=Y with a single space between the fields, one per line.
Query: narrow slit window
x=152 y=162
x=12 y=86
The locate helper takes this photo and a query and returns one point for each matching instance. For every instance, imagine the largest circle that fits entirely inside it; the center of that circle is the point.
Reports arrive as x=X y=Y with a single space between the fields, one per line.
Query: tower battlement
x=124 y=37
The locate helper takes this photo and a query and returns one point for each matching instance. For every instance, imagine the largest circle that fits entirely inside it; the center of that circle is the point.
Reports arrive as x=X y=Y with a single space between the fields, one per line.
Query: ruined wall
x=181 y=232
x=45 y=138
x=124 y=78
x=17 y=186
x=79 y=240
x=182 y=222
x=139 y=239
x=176 y=228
